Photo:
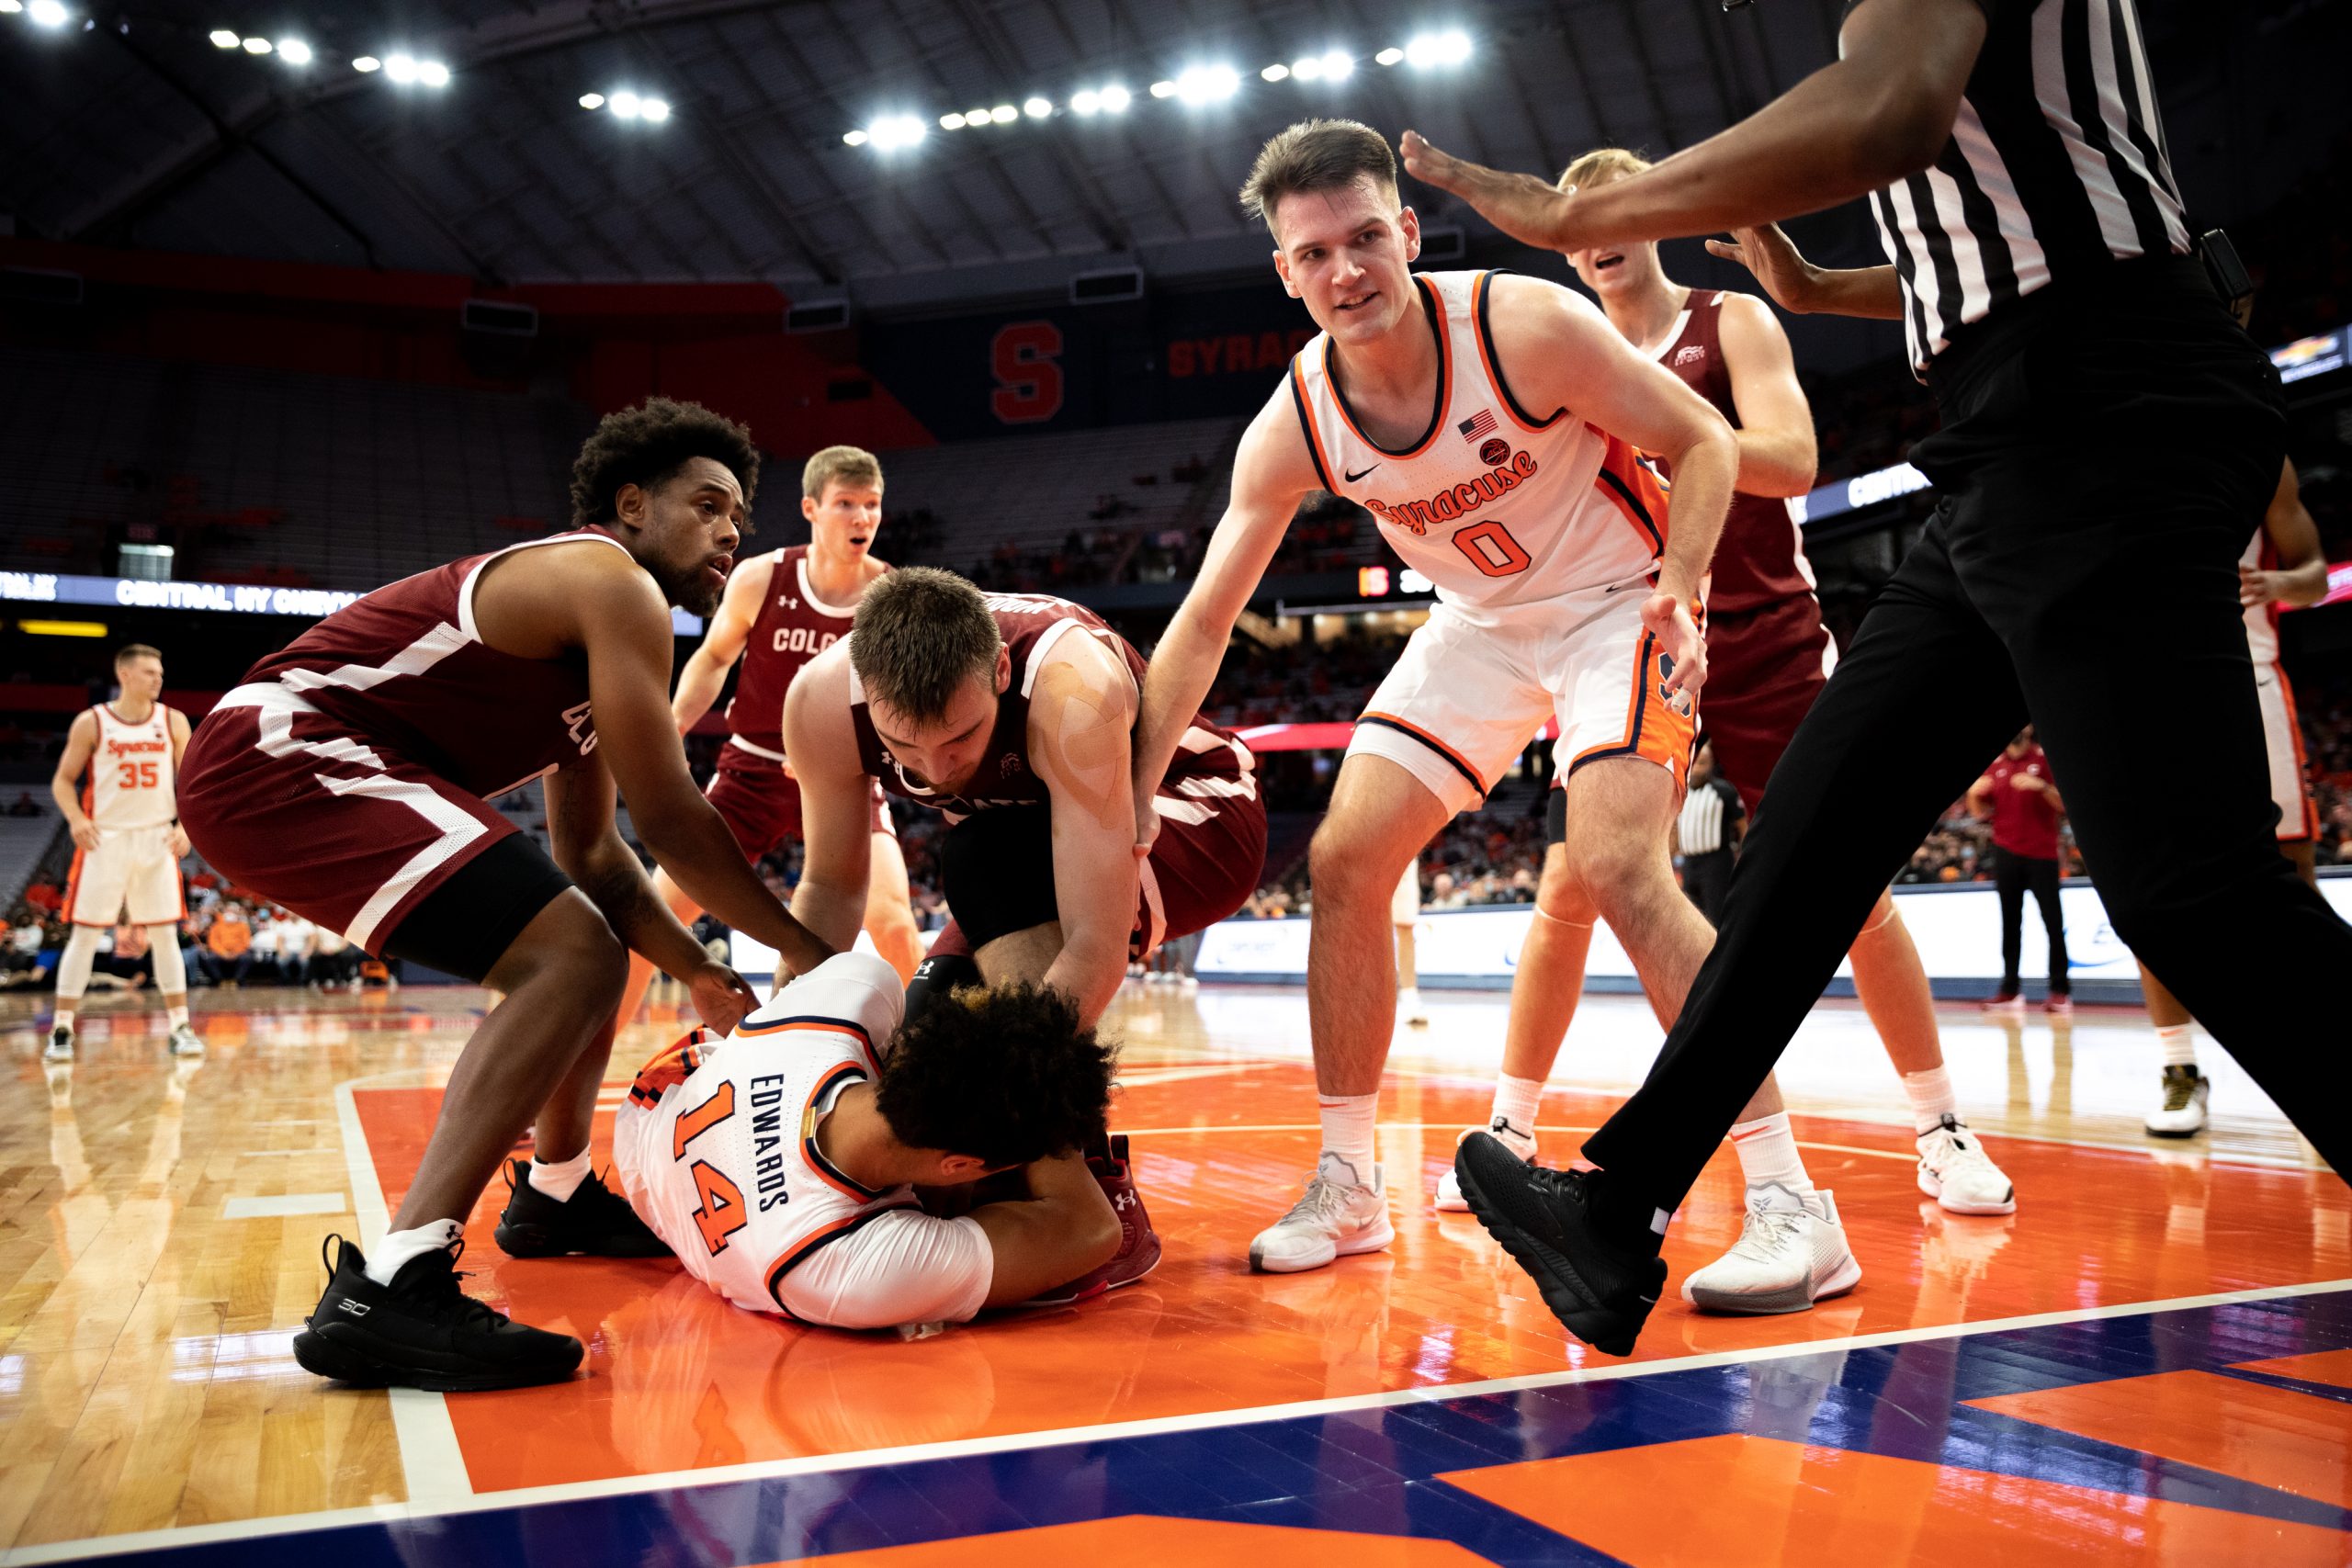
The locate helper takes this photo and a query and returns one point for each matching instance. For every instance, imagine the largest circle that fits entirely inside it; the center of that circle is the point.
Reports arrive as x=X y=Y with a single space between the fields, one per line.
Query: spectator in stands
x=2018 y=796
x=228 y=944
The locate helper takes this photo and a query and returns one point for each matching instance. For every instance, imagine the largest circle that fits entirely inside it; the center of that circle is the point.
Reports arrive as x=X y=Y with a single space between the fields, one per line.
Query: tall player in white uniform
x=781 y=1163
x=1489 y=423
x=127 y=841
x=2283 y=564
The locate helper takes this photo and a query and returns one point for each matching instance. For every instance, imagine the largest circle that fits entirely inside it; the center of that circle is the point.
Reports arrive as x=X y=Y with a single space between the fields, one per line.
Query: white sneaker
x=1791 y=1252
x=1957 y=1173
x=61 y=1046
x=2182 y=1114
x=185 y=1042
x=1449 y=1199
x=1336 y=1215
x=1409 y=1007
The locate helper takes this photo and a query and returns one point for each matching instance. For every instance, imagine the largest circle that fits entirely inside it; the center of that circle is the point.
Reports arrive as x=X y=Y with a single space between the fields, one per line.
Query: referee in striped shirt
x=2109 y=439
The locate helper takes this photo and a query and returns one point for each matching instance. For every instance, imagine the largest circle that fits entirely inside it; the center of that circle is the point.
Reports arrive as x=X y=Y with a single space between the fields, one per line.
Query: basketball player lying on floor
x=781 y=1163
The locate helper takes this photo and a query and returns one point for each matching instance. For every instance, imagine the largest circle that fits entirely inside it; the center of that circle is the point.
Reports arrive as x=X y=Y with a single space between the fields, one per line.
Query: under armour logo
x=1691 y=355
x=787 y=600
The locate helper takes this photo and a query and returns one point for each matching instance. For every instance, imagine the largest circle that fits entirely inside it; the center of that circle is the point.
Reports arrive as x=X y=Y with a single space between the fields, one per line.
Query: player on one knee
x=348 y=778
x=1012 y=714
x=2282 y=565
x=782 y=609
x=1768 y=657
x=1489 y=423
x=127 y=841
x=781 y=1163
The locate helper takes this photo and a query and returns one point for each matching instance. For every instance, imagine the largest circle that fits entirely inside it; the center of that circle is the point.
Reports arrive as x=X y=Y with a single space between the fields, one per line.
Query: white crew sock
x=399 y=1248
x=560 y=1178
x=1930 y=1096
x=2179 y=1043
x=1347 y=1130
x=1515 y=1102
x=74 y=972
x=1767 y=1152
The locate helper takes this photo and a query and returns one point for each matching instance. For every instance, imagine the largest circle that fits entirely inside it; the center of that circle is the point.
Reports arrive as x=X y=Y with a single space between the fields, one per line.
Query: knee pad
x=935 y=977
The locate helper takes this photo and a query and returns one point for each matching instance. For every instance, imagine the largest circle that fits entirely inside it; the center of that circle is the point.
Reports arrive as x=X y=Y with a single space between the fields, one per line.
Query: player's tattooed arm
x=722 y=644
x=1273 y=472
x=836 y=816
x=1080 y=720
x=65 y=784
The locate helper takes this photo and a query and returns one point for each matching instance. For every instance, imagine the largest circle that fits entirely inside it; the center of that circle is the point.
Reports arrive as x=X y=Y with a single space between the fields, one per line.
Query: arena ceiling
x=167 y=128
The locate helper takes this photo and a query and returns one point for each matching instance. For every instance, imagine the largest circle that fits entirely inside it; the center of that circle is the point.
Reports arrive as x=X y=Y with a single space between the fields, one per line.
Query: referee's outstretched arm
x=1880 y=114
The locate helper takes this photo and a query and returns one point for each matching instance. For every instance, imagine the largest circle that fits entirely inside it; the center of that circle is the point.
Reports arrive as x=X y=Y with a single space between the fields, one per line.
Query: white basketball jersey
x=717 y=1143
x=2261 y=620
x=1495 y=505
x=131 y=771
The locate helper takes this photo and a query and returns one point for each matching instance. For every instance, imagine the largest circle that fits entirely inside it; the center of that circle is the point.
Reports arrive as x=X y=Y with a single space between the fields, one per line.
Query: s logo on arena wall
x=1026 y=359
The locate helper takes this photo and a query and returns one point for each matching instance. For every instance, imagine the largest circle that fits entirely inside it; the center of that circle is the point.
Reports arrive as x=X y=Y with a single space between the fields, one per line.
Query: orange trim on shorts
x=1431 y=741
x=2302 y=780
x=1444 y=381
x=1654 y=731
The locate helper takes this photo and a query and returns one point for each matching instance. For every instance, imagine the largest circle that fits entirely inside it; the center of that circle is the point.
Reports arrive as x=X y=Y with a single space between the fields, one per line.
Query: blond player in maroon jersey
x=782 y=609
x=1769 y=655
x=127 y=841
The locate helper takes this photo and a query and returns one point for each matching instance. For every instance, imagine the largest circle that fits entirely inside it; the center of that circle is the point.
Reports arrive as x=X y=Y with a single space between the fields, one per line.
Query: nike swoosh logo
x=1354 y=477
x=1620 y=587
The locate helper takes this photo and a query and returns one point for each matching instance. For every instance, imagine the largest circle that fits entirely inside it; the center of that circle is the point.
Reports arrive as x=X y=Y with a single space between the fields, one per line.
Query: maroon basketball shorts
x=1764 y=669
x=337 y=827
x=761 y=802
x=1203 y=867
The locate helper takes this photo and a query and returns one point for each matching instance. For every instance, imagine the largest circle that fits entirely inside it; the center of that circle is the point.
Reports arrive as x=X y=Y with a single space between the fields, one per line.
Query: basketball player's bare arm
x=175 y=724
x=587 y=844
x=1777 y=454
x=2300 y=577
x=1079 y=720
x=1560 y=350
x=722 y=643
x=1796 y=286
x=836 y=792
x=1880 y=113
x=598 y=601
x=1066 y=1228
x=65 y=784
x=1273 y=472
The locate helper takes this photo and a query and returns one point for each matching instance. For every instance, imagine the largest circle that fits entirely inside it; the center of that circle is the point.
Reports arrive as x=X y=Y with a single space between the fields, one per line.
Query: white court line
x=431 y=1461
x=963 y=1448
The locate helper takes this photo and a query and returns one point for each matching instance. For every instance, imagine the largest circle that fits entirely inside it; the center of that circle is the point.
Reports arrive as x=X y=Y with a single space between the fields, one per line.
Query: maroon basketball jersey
x=1760 y=558
x=407 y=667
x=794 y=626
x=1209 y=765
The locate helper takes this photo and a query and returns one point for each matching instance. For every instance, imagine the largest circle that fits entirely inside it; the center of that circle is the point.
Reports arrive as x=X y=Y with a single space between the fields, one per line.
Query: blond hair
x=839 y=465
x=1314 y=156
x=1601 y=165
x=920 y=633
x=131 y=650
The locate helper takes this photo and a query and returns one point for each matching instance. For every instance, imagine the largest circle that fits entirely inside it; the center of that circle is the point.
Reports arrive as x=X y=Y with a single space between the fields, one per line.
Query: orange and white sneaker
x=1791 y=1253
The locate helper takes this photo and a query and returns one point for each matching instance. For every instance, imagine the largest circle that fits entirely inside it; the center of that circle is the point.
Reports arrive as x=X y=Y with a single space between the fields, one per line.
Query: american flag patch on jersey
x=1478 y=425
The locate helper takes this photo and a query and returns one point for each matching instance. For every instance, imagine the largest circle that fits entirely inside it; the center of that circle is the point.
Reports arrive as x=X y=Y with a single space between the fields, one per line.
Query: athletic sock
x=1767 y=1152
x=1515 y=1103
x=399 y=1248
x=176 y=1017
x=2179 y=1043
x=1347 y=1130
x=560 y=1178
x=1930 y=1096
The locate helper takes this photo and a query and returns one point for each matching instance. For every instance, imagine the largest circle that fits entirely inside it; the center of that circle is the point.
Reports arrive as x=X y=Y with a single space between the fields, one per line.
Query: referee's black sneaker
x=1545 y=1220
x=423 y=1331
x=594 y=1221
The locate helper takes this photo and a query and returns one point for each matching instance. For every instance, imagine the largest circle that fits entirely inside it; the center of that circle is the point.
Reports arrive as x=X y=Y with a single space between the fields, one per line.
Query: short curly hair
x=646 y=446
x=1002 y=1073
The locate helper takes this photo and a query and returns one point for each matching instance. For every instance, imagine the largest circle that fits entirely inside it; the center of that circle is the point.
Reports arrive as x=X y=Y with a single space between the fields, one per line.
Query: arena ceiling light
x=257 y=46
x=653 y=111
x=1208 y=83
x=1428 y=51
x=10 y=8
x=47 y=13
x=294 y=51
x=625 y=104
x=221 y=37
x=1037 y=109
x=1115 y=99
x=1004 y=114
x=1389 y=56
x=1112 y=99
x=1276 y=73
x=432 y=73
x=400 y=68
x=856 y=138
x=1163 y=89
x=366 y=64
x=893 y=131
x=951 y=122
x=592 y=100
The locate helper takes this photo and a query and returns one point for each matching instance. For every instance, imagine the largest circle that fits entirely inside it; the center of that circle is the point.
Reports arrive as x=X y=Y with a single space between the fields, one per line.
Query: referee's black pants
x=2014 y=876
x=1706 y=882
x=2107 y=451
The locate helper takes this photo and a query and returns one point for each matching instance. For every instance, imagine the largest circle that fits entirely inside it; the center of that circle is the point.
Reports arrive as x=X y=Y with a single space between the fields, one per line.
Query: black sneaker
x=594 y=1221
x=1544 y=1219
x=422 y=1331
